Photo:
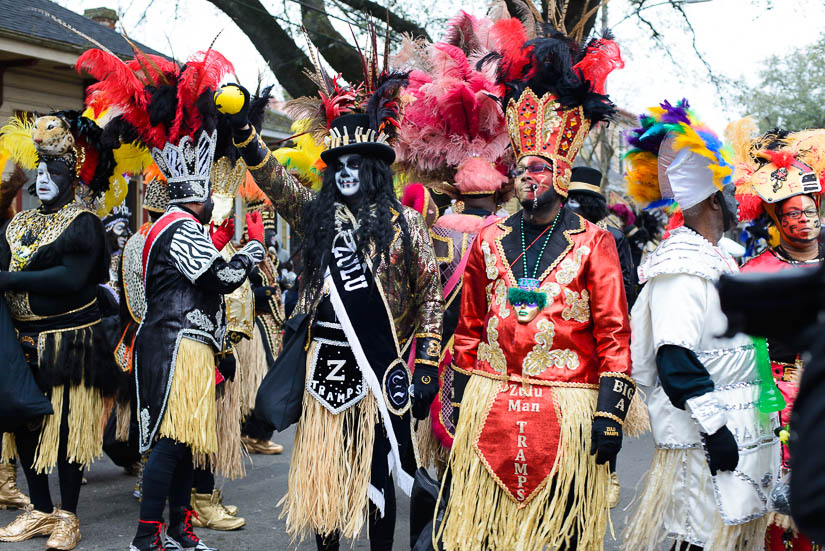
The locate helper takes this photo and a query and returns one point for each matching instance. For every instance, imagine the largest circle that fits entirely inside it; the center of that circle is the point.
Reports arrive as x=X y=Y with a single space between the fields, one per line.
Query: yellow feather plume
x=809 y=147
x=642 y=175
x=129 y=159
x=305 y=157
x=16 y=138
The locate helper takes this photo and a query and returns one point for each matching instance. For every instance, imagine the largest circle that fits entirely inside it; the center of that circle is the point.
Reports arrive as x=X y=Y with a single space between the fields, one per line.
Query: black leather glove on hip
x=721 y=450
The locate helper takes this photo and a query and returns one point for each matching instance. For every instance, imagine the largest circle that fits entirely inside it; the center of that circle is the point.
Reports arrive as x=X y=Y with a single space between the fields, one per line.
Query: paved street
x=108 y=511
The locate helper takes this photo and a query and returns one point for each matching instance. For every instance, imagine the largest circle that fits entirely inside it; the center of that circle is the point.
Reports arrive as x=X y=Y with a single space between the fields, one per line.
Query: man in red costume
x=543 y=335
x=776 y=176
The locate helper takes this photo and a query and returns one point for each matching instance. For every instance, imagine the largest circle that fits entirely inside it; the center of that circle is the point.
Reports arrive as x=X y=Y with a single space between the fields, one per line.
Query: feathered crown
x=358 y=119
x=453 y=126
x=775 y=166
x=119 y=212
x=645 y=174
x=554 y=93
x=164 y=106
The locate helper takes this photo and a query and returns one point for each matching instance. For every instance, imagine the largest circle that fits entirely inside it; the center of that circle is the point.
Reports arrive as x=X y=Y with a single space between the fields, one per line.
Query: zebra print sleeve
x=192 y=251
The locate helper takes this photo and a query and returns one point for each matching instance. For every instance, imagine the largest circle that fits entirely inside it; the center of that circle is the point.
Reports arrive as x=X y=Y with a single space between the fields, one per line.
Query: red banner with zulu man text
x=520 y=439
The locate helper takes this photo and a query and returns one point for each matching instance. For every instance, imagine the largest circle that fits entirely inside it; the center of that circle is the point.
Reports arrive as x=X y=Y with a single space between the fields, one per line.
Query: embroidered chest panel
x=30 y=230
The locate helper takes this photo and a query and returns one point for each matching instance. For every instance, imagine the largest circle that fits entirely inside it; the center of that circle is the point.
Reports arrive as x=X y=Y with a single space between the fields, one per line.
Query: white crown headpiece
x=187 y=167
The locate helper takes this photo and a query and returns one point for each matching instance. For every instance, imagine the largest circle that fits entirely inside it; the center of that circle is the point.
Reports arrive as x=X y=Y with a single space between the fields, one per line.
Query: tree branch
x=276 y=46
x=396 y=22
x=337 y=51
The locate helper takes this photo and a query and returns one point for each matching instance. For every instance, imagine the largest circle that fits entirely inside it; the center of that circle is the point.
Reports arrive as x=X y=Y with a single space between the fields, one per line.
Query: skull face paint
x=347 y=178
x=798 y=219
x=47 y=189
x=54 y=183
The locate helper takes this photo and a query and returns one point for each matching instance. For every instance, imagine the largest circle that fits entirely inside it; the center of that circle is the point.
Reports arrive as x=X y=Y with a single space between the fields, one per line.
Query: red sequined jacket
x=582 y=331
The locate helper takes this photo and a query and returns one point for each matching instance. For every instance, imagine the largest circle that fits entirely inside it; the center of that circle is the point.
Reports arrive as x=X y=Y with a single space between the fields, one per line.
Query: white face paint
x=46 y=188
x=346 y=174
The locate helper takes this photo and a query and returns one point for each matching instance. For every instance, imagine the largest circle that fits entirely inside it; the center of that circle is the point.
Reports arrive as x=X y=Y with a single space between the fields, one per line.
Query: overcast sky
x=735 y=36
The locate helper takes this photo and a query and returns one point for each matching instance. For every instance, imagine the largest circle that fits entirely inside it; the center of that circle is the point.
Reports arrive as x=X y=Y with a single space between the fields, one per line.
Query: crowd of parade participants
x=478 y=322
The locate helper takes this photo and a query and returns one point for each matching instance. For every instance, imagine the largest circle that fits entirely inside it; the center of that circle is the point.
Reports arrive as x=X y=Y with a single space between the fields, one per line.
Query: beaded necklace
x=549 y=232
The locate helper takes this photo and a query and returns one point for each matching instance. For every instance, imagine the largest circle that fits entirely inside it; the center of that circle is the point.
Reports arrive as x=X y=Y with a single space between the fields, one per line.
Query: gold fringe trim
x=123 y=415
x=431 y=453
x=645 y=531
x=190 y=415
x=329 y=474
x=481 y=515
x=252 y=367
x=9 y=448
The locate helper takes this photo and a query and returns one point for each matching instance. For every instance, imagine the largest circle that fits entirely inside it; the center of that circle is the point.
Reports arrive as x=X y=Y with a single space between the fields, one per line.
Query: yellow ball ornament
x=229 y=100
x=784 y=436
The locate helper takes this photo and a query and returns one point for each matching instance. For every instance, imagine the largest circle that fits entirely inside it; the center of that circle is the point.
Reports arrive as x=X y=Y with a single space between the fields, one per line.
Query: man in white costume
x=716 y=456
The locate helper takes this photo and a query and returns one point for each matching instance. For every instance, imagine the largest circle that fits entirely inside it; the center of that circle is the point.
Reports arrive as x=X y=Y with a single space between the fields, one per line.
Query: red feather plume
x=601 y=57
x=509 y=36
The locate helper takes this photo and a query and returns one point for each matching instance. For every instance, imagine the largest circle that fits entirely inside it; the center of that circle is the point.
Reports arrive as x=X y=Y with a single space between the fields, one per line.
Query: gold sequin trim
x=489 y=261
x=569 y=268
x=491 y=351
x=542 y=357
x=578 y=309
x=262 y=163
x=245 y=143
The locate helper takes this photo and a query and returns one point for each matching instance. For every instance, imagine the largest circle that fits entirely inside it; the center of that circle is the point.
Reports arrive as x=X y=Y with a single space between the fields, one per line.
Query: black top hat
x=351 y=133
x=584 y=179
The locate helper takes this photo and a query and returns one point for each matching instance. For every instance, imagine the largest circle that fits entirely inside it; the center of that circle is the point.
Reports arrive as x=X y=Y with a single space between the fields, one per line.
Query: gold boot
x=28 y=524
x=66 y=534
x=210 y=513
x=231 y=509
x=10 y=495
x=614 y=490
x=261 y=446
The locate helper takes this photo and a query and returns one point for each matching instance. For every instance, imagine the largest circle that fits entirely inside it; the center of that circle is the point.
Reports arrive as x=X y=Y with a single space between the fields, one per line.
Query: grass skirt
x=252 y=368
x=573 y=502
x=190 y=416
x=646 y=530
x=87 y=416
x=329 y=474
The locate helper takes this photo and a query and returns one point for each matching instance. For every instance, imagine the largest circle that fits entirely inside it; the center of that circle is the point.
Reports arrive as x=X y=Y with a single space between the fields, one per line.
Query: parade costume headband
x=775 y=166
x=167 y=107
x=555 y=92
x=675 y=156
x=361 y=118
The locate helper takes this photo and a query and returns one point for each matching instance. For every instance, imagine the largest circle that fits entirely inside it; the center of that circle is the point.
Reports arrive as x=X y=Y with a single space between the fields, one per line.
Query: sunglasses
x=533 y=168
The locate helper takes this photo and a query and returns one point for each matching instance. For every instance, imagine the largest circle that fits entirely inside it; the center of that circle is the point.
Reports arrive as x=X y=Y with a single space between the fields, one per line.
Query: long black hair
x=375 y=225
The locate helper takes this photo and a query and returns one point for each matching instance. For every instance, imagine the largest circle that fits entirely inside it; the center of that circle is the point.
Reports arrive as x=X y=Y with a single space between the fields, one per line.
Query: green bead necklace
x=543 y=246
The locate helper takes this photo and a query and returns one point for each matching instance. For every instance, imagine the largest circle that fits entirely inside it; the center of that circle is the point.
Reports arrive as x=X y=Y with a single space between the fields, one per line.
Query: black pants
x=204 y=480
x=381 y=530
x=168 y=473
x=256 y=428
x=69 y=474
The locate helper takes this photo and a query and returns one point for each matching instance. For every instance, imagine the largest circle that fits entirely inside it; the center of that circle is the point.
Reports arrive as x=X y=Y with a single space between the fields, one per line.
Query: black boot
x=179 y=536
x=149 y=536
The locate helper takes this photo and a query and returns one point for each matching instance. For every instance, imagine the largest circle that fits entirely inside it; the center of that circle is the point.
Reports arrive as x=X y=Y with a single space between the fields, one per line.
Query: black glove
x=224 y=97
x=606 y=439
x=616 y=391
x=227 y=367
x=425 y=388
x=262 y=296
x=721 y=450
x=460 y=381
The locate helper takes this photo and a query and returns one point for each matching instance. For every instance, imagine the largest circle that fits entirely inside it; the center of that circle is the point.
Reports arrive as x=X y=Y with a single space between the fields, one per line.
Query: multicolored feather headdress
x=665 y=133
x=360 y=118
x=775 y=166
x=165 y=107
x=554 y=93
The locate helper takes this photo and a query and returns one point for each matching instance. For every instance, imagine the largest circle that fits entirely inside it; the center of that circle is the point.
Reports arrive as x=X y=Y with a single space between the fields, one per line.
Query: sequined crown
x=187 y=167
x=542 y=127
